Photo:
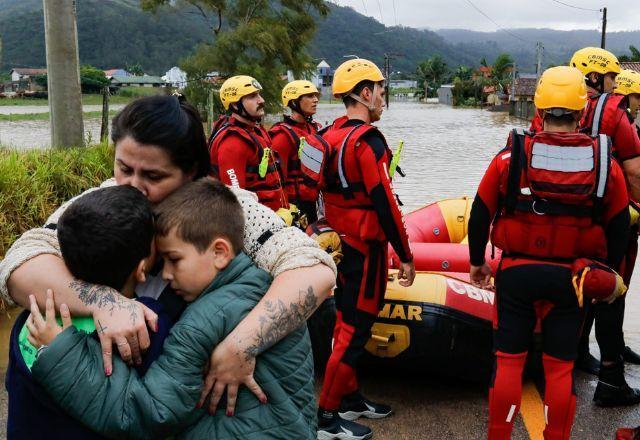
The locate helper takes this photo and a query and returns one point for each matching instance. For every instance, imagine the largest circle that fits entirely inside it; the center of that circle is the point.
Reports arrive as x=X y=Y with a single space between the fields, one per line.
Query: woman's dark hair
x=167 y=122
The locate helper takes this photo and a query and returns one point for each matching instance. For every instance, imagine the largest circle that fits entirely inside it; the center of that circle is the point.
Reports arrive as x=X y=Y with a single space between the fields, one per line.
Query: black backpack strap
x=516 y=165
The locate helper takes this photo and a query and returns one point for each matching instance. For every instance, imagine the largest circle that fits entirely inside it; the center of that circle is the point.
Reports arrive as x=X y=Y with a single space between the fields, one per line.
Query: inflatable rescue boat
x=441 y=322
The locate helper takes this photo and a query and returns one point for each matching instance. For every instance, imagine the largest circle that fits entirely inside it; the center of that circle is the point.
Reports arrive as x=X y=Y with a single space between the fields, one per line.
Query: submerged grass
x=34 y=183
x=45 y=116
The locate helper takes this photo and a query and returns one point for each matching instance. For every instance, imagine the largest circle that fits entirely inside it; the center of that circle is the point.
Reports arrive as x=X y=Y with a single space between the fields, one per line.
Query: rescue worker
x=240 y=148
x=554 y=197
x=301 y=97
x=606 y=113
x=628 y=84
x=360 y=205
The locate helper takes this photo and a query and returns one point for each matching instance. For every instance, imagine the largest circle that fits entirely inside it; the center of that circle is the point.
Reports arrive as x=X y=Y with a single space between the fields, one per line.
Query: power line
x=576 y=7
x=365 y=8
x=395 y=15
x=380 y=8
x=497 y=25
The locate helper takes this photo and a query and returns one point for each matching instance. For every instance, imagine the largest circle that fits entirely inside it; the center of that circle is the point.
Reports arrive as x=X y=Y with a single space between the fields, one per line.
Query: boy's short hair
x=200 y=212
x=105 y=234
x=366 y=84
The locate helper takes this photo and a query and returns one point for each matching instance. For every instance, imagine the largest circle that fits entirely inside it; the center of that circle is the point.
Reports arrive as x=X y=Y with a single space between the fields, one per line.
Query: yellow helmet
x=561 y=87
x=594 y=59
x=628 y=82
x=236 y=88
x=351 y=72
x=296 y=89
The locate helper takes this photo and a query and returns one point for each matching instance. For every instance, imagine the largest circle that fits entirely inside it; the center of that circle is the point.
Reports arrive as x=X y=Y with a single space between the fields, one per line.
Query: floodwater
x=446 y=152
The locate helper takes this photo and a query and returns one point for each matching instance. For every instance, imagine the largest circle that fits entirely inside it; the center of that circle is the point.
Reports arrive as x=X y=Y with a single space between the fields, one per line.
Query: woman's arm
x=34 y=264
x=303 y=277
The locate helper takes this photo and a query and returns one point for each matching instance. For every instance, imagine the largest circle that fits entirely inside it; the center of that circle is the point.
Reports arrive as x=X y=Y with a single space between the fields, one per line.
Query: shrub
x=34 y=183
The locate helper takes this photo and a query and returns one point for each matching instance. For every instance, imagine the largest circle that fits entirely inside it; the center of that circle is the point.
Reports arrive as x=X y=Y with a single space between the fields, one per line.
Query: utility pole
x=604 y=28
x=539 y=49
x=513 y=83
x=63 y=74
x=387 y=69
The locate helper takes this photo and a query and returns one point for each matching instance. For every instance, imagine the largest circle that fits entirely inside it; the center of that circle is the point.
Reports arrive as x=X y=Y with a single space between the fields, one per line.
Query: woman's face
x=147 y=168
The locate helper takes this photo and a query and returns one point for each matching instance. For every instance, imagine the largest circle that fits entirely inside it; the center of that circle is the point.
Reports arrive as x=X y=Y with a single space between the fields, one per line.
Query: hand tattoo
x=280 y=321
x=103 y=297
x=101 y=328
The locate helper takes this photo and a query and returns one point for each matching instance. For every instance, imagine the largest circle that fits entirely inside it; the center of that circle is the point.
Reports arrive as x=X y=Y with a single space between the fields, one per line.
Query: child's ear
x=141 y=271
x=222 y=253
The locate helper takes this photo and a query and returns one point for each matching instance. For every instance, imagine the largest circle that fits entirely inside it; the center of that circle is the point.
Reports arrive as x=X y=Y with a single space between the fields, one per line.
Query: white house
x=176 y=77
x=19 y=74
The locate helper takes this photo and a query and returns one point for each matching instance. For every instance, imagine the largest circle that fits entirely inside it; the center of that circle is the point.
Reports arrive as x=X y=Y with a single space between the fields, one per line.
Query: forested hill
x=115 y=33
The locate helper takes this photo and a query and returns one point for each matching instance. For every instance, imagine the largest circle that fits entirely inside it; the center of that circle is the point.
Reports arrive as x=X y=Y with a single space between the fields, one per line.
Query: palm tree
x=500 y=71
x=431 y=71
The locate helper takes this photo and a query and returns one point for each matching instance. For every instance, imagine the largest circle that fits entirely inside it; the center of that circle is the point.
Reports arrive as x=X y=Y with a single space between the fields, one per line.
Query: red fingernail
x=229 y=413
x=107 y=372
x=263 y=400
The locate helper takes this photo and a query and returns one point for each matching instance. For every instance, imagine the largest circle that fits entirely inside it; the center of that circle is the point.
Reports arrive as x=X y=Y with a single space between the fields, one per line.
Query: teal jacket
x=163 y=402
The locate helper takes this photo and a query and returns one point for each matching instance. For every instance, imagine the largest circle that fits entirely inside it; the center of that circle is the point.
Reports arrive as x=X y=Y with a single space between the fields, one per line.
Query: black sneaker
x=332 y=426
x=630 y=356
x=355 y=405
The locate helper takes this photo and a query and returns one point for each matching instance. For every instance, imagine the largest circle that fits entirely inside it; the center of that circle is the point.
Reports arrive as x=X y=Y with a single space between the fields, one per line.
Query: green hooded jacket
x=163 y=402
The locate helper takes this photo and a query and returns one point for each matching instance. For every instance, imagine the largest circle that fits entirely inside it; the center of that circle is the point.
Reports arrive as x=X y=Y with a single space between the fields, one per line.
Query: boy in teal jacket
x=199 y=234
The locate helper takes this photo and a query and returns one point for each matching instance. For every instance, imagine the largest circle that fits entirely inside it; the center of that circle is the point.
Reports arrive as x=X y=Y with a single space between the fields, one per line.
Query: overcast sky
x=438 y=14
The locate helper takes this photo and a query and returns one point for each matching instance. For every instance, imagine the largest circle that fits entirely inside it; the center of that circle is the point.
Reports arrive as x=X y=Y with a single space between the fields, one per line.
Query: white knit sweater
x=286 y=248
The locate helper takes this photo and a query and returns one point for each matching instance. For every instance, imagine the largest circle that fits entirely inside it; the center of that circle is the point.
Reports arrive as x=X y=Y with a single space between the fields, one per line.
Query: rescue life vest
x=347 y=207
x=552 y=197
x=600 y=115
x=268 y=188
x=297 y=189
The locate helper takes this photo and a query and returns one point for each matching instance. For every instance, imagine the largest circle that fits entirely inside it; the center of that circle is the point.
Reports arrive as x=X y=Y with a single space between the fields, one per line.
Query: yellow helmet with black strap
x=595 y=59
x=236 y=88
x=296 y=89
x=352 y=72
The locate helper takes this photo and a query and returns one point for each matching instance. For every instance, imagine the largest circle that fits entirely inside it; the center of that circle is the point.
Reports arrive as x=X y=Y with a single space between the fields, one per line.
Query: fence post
x=104 y=128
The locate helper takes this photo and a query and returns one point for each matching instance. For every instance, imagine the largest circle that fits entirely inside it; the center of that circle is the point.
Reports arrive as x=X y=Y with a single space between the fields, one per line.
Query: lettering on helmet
x=230 y=92
x=401 y=311
x=232 y=176
x=598 y=60
x=472 y=292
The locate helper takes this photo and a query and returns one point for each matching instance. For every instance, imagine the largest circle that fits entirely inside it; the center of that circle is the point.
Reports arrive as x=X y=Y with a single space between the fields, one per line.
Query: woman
x=159 y=146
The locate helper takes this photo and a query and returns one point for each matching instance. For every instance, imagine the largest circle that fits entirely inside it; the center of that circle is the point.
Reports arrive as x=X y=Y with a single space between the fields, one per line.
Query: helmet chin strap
x=242 y=111
x=370 y=106
x=294 y=105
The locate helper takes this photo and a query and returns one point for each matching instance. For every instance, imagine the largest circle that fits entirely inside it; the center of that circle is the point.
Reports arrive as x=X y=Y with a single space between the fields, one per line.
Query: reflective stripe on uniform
x=597 y=115
x=604 y=165
x=556 y=158
x=311 y=158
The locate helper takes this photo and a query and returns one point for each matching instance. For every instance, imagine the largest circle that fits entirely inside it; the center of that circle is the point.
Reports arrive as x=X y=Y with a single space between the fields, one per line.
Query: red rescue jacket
x=553 y=193
x=288 y=134
x=268 y=188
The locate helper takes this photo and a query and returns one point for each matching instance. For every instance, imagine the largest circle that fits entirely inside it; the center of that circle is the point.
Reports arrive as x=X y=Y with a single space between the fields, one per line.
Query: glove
x=290 y=215
x=331 y=243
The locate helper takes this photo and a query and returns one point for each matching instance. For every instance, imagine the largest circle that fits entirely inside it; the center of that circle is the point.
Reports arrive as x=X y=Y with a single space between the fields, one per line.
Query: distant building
x=19 y=74
x=445 y=94
x=176 y=77
x=403 y=84
x=631 y=66
x=138 y=81
x=110 y=73
x=523 y=90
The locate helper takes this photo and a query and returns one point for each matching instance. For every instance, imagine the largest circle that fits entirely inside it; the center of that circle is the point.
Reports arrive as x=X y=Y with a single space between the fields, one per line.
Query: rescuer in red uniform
x=301 y=97
x=554 y=198
x=606 y=113
x=360 y=206
x=240 y=149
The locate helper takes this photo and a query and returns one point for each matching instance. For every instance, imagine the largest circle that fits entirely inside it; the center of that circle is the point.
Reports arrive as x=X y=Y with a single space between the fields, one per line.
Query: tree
x=134 y=69
x=431 y=73
x=634 y=57
x=500 y=72
x=92 y=79
x=260 y=38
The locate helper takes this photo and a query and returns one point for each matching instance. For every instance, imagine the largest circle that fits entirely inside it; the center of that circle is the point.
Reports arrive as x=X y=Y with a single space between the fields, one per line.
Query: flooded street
x=445 y=154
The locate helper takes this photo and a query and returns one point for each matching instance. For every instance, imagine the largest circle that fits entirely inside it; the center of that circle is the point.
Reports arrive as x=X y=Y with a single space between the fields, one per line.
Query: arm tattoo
x=279 y=321
x=103 y=297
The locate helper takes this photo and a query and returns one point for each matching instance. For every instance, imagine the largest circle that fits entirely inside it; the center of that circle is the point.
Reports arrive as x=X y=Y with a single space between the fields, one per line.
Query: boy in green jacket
x=204 y=264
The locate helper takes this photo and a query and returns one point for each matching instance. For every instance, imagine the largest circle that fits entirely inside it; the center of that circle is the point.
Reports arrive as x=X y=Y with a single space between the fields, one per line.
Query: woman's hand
x=229 y=368
x=42 y=331
x=481 y=276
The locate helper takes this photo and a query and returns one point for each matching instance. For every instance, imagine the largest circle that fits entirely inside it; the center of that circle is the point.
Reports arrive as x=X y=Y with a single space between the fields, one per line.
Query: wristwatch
x=40 y=350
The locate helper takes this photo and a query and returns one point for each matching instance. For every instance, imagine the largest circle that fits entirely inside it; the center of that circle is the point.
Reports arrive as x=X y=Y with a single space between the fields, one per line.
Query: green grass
x=34 y=183
x=124 y=96
x=45 y=116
